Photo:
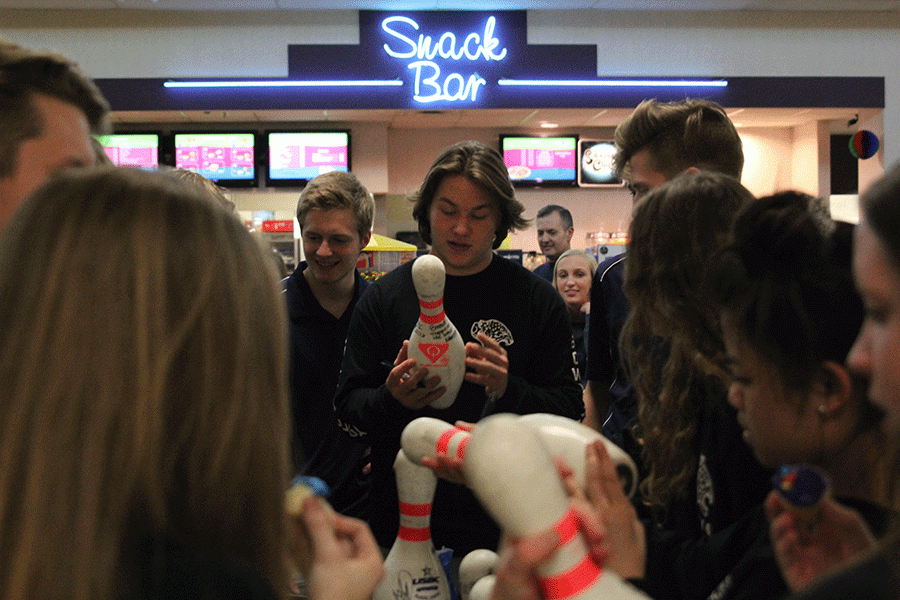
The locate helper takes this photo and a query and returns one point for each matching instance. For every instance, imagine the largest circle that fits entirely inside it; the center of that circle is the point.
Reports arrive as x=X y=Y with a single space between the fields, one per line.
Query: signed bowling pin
x=474 y=566
x=511 y=472
x=567 y=439
x=434 y=342
x=412 y=570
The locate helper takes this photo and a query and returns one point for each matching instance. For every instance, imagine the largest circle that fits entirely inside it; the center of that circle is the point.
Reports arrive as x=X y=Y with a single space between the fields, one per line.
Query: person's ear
x=832 y=388
x=366 y=239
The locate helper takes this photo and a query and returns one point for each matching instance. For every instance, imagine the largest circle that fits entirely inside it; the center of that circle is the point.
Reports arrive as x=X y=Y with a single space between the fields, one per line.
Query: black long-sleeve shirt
x=506 y=301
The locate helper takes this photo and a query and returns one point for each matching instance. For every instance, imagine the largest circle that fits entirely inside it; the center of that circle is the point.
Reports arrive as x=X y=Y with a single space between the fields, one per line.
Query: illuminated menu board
x=140 y=150
x=301 y=156
x=540 y=160
x=221 y=157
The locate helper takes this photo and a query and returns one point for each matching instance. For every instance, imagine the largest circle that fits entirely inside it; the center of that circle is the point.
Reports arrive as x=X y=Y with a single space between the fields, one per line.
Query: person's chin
x=326 y=274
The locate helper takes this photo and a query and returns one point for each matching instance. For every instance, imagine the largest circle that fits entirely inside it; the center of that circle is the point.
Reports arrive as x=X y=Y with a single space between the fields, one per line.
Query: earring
x=822 y=409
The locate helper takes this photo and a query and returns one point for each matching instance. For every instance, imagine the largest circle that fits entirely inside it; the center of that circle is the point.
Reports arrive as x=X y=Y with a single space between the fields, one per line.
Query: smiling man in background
x=554 y=229
x=335 y=213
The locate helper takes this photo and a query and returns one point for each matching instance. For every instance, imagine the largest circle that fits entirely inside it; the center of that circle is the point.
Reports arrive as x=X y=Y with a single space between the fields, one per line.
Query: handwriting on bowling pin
x=434 y=341
x=412 y=570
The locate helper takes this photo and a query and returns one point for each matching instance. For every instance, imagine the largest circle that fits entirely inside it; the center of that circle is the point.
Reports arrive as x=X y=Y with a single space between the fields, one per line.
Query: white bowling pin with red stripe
x=563 y=437
x=434 y=342
x=511 y=472
x=427 y=436
x=567 y=439
x=412 y=570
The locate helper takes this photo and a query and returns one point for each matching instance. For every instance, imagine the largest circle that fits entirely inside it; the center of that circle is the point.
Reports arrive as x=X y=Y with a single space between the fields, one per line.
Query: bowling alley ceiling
x=667 y=5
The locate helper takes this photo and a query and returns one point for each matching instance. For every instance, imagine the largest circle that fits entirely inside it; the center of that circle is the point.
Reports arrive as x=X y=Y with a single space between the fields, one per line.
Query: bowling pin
x=412 y=570
x=511 y=472
x=567 y=438
x=564 y=438
x=482 y=588
x=474 y=566
x=427 y=436
x=434 y=342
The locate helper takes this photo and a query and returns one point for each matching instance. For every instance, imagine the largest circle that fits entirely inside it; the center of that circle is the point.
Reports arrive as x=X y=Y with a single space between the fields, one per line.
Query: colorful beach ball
x=864 y=144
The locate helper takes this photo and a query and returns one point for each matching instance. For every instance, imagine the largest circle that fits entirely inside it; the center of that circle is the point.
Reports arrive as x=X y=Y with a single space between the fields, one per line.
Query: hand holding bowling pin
x=624 y=538
x=410 y=384
x=489 y=364
x=512 y=474
x=434 y=343
x=437 y=445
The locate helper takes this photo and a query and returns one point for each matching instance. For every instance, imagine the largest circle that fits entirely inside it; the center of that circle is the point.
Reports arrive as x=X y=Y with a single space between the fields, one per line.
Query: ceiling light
x=614 y=83
x=284 y=83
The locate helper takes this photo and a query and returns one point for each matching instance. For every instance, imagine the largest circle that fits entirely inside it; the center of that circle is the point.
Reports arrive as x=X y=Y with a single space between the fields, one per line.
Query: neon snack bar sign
x=430 y=83
x=442 y=59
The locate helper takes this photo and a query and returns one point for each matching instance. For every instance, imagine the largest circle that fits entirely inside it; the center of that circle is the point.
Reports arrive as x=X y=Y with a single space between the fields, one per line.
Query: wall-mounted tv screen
x=140 y=150
x=295 y=157
x=595 y=166
x=535 y=161
x=227 y=158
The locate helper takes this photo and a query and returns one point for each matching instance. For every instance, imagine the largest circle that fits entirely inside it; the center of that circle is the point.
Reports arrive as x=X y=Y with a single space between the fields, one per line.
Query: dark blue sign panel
x=468 y=59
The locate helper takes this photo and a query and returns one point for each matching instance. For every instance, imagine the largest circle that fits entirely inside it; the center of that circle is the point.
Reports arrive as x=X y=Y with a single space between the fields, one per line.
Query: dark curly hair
x=484 y=167
x=671 y=339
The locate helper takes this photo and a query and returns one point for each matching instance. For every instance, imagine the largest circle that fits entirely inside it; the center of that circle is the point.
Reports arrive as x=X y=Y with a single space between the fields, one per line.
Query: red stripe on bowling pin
x=431 y=305
x=415 y=534
x=443 y=444
x=574 y=581
x=432 y=319
x=415 y=510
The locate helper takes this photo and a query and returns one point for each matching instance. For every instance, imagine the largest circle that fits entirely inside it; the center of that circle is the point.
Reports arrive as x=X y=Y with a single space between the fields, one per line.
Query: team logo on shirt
x=495 y=330
x=705 y=494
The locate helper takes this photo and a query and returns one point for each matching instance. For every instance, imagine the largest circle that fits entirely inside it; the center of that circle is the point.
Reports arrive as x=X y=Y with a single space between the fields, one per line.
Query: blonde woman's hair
x=587 y=257
x=141 y=355
x=675 y=232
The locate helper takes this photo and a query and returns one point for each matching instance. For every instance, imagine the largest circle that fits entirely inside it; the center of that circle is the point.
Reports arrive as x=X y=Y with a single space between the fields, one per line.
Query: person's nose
x=736 y=396
x=461 y=227
x=859 y=359
x=324 y=249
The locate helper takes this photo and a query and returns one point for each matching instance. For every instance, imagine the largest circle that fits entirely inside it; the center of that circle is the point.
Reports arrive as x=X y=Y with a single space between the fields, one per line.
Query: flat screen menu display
x=536 y=161
x=139 y=150
x=229 y=159
x=295 y=157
